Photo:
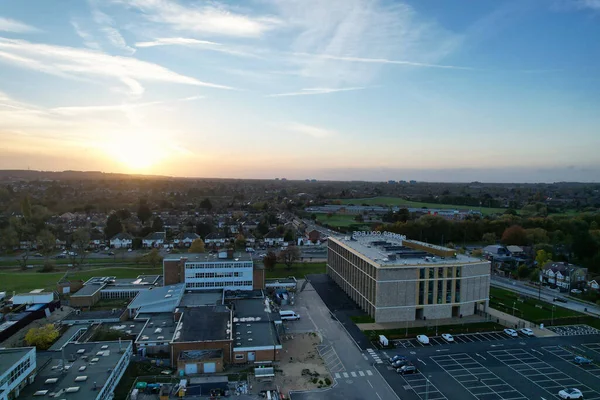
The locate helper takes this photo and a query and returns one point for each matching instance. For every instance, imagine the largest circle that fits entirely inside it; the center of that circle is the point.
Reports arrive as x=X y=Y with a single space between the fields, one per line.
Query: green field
x=339 y=220
x=397 y=201
x=66 y=261
x=430 y=330
x=526 y=307
x=298 y=270
x=27 y=281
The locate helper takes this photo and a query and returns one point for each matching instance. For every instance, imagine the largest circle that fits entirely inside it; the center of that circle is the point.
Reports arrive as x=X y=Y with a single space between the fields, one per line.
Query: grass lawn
x=362 y=319
x=298 y=270
x=430 y=330
x=526 y=307
x=339 y=220
x=27 y=281
x=397 y=201
x=65 y=261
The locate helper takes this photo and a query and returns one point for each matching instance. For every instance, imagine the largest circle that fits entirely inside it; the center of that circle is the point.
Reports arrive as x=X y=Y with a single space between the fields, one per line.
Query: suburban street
x=358 y=378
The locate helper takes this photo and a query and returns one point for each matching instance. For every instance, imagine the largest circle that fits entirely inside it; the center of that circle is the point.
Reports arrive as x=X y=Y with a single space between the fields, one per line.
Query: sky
x=435 y=90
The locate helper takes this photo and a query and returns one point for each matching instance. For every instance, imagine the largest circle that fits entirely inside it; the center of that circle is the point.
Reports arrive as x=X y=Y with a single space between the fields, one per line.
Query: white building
x=34 y=297
x=17 y=367
x=155 y=239
x=208 y=272
x=186 y=239
x=121 y=241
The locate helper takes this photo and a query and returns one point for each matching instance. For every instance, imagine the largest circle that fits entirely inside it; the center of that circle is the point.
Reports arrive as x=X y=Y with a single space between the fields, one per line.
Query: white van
x=289 y=315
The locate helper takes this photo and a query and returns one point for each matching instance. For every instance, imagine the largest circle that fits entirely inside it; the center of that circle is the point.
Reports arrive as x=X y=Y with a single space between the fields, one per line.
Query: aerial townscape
x=299 y=199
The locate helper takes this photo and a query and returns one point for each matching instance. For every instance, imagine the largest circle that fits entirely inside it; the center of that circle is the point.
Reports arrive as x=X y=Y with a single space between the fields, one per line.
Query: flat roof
x=244 y=294
x=133 y=328
x=388 y=251
x=169 y=296
x=200 y=354
x=8 y=357
x=209 y=257
x=96 y=315
x=88 y=289
x=77 y=355
x=204 y=298
x=201 y=324
x=255 y=334
x=159 y=328
x=247 y=309
x=67 y=336
x=290 y=280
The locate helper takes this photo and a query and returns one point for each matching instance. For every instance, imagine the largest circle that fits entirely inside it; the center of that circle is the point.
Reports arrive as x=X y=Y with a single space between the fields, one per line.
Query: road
x=546 y=295
x=353 y=370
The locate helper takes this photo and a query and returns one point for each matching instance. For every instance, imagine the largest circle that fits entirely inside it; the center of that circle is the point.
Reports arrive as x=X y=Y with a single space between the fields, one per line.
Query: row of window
x=16 y=372
x=439 y=298
x=217 y=284
x=442 y=272
x=218 y=265
x=218 y=274
x=121 y=294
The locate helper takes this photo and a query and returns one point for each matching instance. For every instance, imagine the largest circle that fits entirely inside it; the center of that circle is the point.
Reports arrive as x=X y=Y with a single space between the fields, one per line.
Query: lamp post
x=553 y=306
x=514 y=304
x=427 y=388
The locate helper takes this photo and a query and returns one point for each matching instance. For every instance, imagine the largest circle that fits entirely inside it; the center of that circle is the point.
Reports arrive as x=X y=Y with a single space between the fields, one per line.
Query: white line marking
x=353 y=374
x=477 y=354
x=361 y=373
x=378 y=396
x=370 y=383
x=337 y=375
x=369 y=372
x=346 y=375
x=443 y=350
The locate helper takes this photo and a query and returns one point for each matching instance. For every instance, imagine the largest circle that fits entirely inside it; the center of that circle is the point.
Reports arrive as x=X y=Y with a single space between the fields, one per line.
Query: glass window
x=458 y=272
x=440 y=273
x=439 y=291
x=421 y=273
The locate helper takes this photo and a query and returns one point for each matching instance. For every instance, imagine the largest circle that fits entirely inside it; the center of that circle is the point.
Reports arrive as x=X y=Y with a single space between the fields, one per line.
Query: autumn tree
x=269 y=261
x=489 y=238
x=206 y=204
x=542 y=257
x=153 y=258
x=113 y=226
x=240 y=242
x=514 y=235
x=42 y=337
x=48 y=242
x=289 y=255
x=197 y=246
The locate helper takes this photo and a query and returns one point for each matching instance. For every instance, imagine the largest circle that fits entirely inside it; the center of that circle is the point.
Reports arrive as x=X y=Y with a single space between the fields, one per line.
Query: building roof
x=122 y=236
x=68 y=336
x=200 y=354
x=88 y=290
x=204 y=298
x=210 y=258
x=8 y=357
x=202 y=324
x=79 y=317
x=189 y=235
x=77 y=355
x=160 y=327
x=273 y=234
x=515 y=249
x=215 y=235
x=158 y=299
x=389 y=251
x=251 y=310
x=156 y=236
x=255 y=334
x=244 y=294
x=561 y=266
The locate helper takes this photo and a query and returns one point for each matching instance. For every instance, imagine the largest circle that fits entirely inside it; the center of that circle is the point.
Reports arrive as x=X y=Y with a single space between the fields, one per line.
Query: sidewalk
x=471 y=319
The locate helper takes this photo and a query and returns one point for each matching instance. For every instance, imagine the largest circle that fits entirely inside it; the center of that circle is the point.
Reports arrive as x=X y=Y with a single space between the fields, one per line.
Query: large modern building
x=394 y=279
x=227 y=270
x=17 y=369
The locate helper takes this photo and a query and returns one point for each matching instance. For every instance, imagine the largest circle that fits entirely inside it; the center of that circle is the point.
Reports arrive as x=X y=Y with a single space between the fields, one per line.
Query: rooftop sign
x=390 y=235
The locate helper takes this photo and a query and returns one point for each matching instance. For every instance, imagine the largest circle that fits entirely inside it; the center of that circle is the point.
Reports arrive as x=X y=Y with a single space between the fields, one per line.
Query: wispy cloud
x=88 y=38
x=591 y=4
x=380 y=61
x=75 y=110
x=309 y=130
x=212 y=18
x=313 y=91
x=11 y=25
x=176 y=41
x=84 y=63
x=108 y=27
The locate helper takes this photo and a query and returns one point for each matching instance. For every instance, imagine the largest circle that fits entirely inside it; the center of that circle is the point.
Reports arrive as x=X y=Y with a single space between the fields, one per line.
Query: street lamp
x=553 y=306
x=514 y=303
x=427 y=388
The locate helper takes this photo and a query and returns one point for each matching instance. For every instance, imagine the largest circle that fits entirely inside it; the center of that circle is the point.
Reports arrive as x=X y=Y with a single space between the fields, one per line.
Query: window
x=440 y=273
x=421 y=273
x=457 y=294
x=239 y=356
x=458 y=272
x=439 y=291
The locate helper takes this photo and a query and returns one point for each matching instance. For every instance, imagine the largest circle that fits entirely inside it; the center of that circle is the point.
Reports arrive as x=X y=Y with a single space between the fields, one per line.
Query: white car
x=570 y=393
x=526 y=332
x=423 y=339
x=447 y=337
x=511 y=332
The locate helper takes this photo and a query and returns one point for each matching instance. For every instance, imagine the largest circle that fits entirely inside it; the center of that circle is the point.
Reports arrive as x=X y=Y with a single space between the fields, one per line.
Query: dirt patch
x=18 y=339
x=301 y=366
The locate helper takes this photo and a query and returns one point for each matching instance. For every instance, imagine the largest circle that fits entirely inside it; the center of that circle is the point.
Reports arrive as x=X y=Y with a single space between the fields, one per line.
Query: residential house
x=315 y=236
x=186 y=239
x=155 y=239
x=593 y=284
x=274 y=238
x=250 y=239
x=121 y=241
x=564 y=275
x=216 y=238
x=96 y=240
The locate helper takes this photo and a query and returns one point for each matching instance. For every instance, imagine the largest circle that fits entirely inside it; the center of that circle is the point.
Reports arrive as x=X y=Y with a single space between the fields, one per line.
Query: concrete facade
x=411 y=287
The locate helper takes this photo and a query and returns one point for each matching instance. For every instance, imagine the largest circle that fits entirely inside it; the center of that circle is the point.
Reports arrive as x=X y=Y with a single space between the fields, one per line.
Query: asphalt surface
x=488 y=366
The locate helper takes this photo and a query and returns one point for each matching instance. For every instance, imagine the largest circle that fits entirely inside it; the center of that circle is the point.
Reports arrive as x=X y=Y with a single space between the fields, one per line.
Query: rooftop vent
x=160 y=337
x=104 y=347
x=81 y=378
x=72 y=389
x=249 y=339
x=94 y=360
x=80 y=351
x=84 y=357
x=50 y=381
x=145 y=337
x=158 y=330
x=40 y=393
x=82 y=368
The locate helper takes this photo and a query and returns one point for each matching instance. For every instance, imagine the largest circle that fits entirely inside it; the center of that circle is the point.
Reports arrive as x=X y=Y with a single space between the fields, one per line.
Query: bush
x=315 y=380
x=42 y=337
x=327 y=381
x=48 y=267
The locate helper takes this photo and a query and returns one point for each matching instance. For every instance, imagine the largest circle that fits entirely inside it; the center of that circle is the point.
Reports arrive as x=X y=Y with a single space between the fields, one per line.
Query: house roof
x=560 y=266
x=189 y=235
x=273 y=234
x=515 y=249
x=156 y=236
x=215 y=235
x=122 y=236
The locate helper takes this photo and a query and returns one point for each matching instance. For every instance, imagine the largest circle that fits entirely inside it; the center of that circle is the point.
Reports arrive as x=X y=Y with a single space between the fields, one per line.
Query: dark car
x=400 y=363
x=559 y=299
x=397 y=357
x=582 y=360
x=407 y=369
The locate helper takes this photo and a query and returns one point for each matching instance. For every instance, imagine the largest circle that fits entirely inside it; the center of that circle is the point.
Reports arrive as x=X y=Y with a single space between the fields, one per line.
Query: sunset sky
x=437 y=90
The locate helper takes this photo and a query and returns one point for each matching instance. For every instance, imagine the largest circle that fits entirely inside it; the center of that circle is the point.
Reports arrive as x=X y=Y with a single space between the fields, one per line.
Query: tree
x=157 y=224
x=42 y=337
x=206 y=204
x=240 y=242
x=80 y=241
x=48 y=242
x=113 y=226
x=514 y=235
x=9 y=238
x=270 y=260
x=197 y=246
x=313 y=217
x=403 y=215
x=144 y=213
x=489 y=238
x=154 y=258
x=204 y=228
x=523 y=271
x=289 y=255
x=123 y=214
x=359 y=218
x=542 y=257
x=289 y=236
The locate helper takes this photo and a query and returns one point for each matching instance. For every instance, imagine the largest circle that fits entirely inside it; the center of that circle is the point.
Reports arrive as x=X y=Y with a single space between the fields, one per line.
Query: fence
x=505 y=319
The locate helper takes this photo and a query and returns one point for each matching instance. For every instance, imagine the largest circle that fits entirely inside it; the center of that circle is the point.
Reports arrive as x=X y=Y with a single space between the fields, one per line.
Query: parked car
x=423 y=339
x=559 y=299
x=111 y=253
x=38 y=255
x=407 y=369
x=447 y=337
x=570 y=393
x=582 y=360
x=576 y=291
x=61 y=256
x=397 y=357
x=526 y=332
x=129 y=250
x=400 y=363
x=511 y=332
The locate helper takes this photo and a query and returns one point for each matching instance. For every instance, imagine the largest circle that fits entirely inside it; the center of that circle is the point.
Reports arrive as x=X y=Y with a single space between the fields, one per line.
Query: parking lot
x=423 y=387
x=461 y=338
x=564 y=353
x=541 y=373
x=574 y=330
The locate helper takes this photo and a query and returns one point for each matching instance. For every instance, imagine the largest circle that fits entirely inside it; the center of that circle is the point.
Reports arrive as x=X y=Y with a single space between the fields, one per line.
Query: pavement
x=482 y=366
x=352 y=370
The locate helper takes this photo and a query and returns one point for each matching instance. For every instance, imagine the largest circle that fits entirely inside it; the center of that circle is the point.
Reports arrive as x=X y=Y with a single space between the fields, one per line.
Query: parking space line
x=369 y=372
x=346 y=375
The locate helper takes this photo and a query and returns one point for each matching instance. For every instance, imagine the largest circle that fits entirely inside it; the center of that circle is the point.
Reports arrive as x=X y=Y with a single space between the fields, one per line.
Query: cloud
x=313 y=91
x=213 y=18
x=88 y=39
x=590 y=4
x=75 y=110
x=309 y=130
x=11 y=25
x=180 y=41
x=380 y=61
x=107 y=26
x=90 y=64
